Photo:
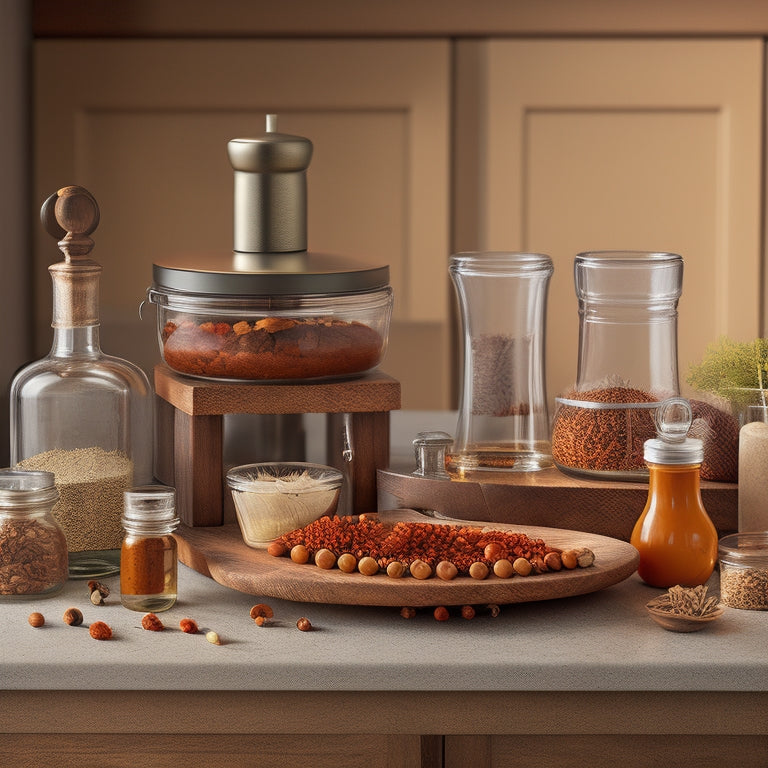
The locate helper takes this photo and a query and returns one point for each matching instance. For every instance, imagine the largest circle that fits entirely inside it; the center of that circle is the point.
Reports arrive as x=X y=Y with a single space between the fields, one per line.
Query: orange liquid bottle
x=674 y=535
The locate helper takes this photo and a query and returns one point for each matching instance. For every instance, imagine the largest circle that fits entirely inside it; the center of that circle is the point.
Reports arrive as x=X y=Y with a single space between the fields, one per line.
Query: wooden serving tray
x=220 y=553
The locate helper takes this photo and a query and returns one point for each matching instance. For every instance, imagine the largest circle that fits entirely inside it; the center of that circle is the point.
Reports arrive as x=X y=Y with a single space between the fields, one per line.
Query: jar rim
x=501 y=262
x=630 y=258
x=744 y=546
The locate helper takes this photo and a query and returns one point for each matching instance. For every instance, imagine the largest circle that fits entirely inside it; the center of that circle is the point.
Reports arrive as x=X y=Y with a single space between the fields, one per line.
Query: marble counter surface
x=603 y=641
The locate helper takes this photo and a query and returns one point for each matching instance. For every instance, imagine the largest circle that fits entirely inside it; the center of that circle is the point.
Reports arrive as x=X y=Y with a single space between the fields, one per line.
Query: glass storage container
x=503 y=422
x=33 y=548
x=271 y=310
x=149 y=554
x=81 y=414
x=744 y=570
x=627 y=362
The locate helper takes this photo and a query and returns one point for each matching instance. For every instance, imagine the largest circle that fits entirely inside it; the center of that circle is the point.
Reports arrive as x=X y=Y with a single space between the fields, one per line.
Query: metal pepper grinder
x=270 y=232
x=270 y=192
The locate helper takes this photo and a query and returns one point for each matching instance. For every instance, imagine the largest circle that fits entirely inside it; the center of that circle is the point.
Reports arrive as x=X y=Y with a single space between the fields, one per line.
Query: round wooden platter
x=219 y=552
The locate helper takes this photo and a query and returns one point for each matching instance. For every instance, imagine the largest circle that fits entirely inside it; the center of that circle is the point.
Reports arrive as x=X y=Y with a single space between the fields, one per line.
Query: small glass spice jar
x=744 y=570
x=33 y=547
x=674 y=535
x=148 y=557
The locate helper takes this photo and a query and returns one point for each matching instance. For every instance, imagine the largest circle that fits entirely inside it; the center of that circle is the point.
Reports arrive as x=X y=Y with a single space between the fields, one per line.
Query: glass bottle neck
x=674 y=478
x=80 y=342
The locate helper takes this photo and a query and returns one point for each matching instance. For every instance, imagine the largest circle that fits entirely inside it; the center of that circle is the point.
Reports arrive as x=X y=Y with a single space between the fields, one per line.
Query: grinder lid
x=268 y=274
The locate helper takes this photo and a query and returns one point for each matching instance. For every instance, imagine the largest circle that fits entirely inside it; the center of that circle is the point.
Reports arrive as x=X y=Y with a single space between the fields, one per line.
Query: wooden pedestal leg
x=198 y=468
x=369 y=443
x=164 y=427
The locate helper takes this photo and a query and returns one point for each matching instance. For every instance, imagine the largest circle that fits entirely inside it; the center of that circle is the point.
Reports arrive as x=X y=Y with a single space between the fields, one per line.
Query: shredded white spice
x=273 y=506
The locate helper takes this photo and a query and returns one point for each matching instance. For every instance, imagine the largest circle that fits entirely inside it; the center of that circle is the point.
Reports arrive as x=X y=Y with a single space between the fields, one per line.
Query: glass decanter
x=81 y=414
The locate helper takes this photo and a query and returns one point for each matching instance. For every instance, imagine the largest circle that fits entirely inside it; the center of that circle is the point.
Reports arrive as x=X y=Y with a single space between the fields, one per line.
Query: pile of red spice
x=408 y=542
x=271 y=348
x=603 y=439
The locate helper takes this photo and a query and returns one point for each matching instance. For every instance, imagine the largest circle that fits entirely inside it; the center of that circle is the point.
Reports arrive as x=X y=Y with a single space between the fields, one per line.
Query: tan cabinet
x=144 y=125
x=604 y=144
x=422 y=147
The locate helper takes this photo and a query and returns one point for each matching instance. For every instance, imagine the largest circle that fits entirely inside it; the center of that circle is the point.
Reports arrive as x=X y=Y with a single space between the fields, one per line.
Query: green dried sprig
x=729 y=366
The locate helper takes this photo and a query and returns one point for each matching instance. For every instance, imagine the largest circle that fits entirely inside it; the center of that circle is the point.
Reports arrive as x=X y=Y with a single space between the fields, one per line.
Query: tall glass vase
x=503 y=422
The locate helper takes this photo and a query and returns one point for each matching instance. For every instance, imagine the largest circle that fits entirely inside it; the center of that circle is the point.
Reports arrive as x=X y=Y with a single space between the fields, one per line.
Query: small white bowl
x=274 y=498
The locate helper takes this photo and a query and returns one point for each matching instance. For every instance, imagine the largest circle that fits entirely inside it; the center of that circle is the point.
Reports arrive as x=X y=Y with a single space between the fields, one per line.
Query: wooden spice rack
x=189 y=440
x=548 y=498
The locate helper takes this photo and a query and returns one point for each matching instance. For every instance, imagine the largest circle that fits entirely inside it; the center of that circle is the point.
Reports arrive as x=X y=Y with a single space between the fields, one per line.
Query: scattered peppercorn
x=98 y=592
x=395 y=569
x=73 y=617
x=99 y=630
x=299 y=554
x=441 y=613
x=325 y=559
x=212 y=637
x=478 y=570
x=188 y=626
x=420 y=570
x=368 y=566
x=446 y=570
x=261 y=614
x=151 y=622
x=467 y=612
x=347 y=562
x=494 y=551
x=553 y=561
x=276 y=549
x=522 y=566
x=36 y=619
x=407 y=612
x=304 y=624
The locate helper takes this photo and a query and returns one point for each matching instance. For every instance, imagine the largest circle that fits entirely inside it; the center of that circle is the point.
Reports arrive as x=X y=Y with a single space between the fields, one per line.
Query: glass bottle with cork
x=148 y=558
x=81 y=414
x=674 y=535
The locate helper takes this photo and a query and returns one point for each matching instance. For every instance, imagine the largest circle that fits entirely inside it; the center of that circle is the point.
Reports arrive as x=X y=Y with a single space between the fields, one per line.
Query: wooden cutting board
x=220 y=553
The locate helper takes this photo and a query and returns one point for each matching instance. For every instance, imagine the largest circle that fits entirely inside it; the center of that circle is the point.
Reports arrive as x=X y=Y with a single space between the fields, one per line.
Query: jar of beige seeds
x=744 y=570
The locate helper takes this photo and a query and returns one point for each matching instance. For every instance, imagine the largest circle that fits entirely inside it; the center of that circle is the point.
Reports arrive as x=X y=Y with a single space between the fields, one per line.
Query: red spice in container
x=599 y=437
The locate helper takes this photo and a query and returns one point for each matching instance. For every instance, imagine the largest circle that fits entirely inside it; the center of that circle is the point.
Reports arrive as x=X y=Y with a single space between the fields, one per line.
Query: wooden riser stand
x=189 y=441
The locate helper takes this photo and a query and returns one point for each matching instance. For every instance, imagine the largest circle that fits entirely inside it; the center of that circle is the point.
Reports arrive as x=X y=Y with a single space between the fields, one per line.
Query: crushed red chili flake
x=406 y=542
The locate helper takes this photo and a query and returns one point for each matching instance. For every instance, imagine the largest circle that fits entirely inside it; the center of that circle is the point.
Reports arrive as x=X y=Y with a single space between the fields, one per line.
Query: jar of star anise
x=33 y=547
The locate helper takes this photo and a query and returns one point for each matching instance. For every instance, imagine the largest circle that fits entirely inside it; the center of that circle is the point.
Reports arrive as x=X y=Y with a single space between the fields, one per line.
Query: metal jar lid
x=270 y=254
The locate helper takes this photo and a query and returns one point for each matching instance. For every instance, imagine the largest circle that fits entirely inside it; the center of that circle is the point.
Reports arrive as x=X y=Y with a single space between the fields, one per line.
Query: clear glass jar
x=33 y=548
x=268 y=336
x=744 y=570
x=674 y=535
x=627 y=362
x=81 y=414
x=148 y=558
x=503 y=422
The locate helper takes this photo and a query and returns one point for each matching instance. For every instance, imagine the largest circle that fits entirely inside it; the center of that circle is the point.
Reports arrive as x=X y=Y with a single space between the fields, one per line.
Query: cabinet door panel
x=145 y=127
x=639 y=145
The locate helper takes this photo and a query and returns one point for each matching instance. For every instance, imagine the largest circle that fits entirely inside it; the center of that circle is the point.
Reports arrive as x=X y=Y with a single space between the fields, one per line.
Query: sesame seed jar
x=744 y=570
